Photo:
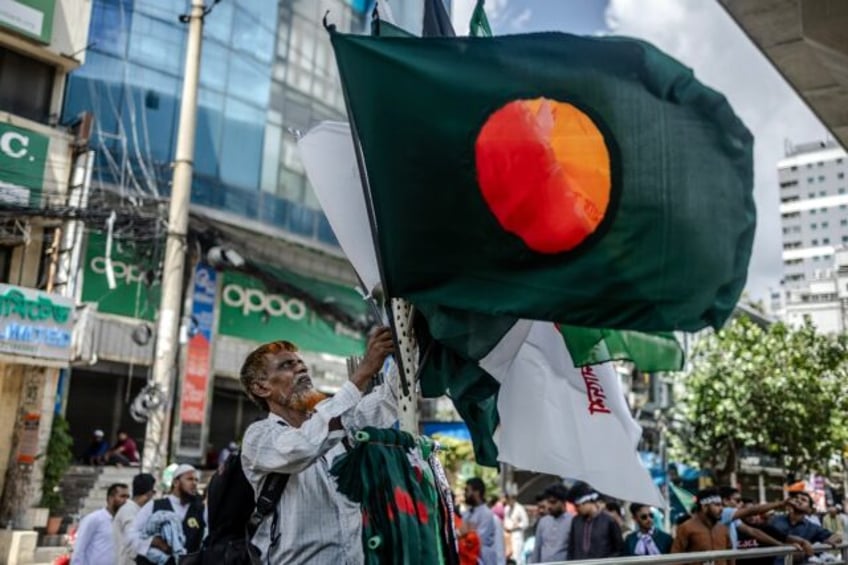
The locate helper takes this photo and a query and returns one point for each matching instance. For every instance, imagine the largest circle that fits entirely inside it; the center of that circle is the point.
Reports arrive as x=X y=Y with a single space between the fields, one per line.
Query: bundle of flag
x=588 y=182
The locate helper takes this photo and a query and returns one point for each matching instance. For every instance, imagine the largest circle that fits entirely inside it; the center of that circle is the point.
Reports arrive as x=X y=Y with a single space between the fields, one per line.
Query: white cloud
x=701 y=35
x=519 y=23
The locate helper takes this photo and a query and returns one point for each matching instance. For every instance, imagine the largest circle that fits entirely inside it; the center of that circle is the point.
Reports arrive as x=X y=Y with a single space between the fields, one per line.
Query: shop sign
x=33 y=18
x=34 y=323
x=137 y=290
x=251 y=311
x=23 y=154
x=198 y=366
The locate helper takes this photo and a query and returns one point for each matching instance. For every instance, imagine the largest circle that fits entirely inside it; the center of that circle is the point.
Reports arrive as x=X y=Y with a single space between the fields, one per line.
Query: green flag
x=479 y=25
x=587 y=181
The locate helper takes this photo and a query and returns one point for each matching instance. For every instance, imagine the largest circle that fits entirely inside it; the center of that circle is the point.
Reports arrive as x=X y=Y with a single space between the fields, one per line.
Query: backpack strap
x=266 y=504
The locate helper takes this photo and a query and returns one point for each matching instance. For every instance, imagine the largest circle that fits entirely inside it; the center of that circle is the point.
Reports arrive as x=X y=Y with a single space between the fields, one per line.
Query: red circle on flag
x=543 y=168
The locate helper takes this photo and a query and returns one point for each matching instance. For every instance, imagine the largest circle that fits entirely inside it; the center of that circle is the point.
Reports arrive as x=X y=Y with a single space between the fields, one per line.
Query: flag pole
x=399 y=310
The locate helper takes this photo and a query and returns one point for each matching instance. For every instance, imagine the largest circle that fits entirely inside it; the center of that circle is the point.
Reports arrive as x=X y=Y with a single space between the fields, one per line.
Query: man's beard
x=305 y=400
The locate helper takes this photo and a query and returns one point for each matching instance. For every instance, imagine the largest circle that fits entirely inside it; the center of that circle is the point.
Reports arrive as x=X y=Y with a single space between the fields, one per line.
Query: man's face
x=644 y=518
x=587 y=509
x=713 y=511
x=756 y=519
x=734 y=501
x=831 y=510
x=287 y=378
x=186 y=485
x=122 y=436
x=118 y=499
x=554 y=506
x=802 y=503
x=542 y=508
x=471 y=497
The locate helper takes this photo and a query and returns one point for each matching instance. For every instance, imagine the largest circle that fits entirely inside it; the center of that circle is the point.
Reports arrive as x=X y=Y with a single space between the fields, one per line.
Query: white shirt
x=135 y=535
x=120 y=530
x=95 y=544
x=318 y=525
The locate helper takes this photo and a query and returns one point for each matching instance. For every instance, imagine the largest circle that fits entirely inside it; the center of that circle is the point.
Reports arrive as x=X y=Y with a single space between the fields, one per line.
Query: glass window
x=157 y=44
x=219 y=24
x=110 y=25
x=152 y=102
x=241 y=148
x=811 y=179
x=811 y=194
x=163 y=9
x=249 y=80
x=213 y=67
x=825 y=241
x=263 y=11
x=26 y=86
x=291 y=185
x=814 y=226
x=824 y=224
x=271 y=157
x=249 y=36
x=841 y=191
x=210 y=122
x=822 y=193
x=814 y=242
x=812 y=212
x=840 y=175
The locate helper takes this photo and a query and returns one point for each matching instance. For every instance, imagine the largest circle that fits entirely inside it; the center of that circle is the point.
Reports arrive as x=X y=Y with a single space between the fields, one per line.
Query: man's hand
x=160 y=544
x=380 y=346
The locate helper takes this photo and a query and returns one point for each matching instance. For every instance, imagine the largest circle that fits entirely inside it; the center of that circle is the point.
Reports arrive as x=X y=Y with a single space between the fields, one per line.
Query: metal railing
x=785 y=551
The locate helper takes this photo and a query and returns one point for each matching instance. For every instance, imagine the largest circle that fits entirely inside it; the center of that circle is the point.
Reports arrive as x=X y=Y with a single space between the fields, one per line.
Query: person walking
x=302 y=436
x=515 y=522
x=95 y=544
x=143 y=490
x=188 y=510
x=479 y=517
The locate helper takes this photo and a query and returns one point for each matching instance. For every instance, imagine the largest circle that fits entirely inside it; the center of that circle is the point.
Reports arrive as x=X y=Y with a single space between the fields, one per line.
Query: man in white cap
x=96 y=449
x=182 y=501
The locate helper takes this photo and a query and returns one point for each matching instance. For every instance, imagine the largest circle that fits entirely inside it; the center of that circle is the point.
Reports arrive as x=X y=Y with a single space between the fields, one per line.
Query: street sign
x=35 y=324
x=23 y=154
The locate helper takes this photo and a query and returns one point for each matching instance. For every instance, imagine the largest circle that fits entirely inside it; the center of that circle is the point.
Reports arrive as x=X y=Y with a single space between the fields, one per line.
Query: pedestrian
x=833 y=522
x=96 y=449
x=95 y=543
x=758 y=522
x=795 y=522
x=124 y=453
x=613 y=508
x=733 y=512
x=646 y=539
x=497 y=508
x=302 y=438
x=479 y=517
x=594 y=533
x=515 y=522
x=187 y=509
x=553 y=528
x=703 y=531
x=143 y=490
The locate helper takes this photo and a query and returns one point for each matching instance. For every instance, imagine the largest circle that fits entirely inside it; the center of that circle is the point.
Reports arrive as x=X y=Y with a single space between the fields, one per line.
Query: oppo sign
x=254 y=300
x=130 y=274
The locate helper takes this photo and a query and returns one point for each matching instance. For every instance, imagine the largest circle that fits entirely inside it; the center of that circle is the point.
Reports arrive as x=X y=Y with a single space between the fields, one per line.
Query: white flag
x=330 y=162
x=566 y=421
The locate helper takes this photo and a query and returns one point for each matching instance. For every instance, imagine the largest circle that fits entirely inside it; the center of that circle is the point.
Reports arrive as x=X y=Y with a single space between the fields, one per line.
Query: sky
x=702 y=36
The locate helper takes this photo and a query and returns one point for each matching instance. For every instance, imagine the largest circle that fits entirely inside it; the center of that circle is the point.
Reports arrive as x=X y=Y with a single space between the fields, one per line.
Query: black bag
x=233 y=516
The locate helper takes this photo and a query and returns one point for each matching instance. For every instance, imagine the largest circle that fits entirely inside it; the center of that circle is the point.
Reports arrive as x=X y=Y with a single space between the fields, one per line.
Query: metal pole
x=164 y=365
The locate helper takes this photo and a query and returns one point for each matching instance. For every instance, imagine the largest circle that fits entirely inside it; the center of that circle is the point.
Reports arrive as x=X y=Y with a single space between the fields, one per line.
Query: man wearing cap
x=143 y=490
x=182 y=501
x=96 y=449
x=552 y=529
x=302 y=436
x=594 y=533
x=703 y=531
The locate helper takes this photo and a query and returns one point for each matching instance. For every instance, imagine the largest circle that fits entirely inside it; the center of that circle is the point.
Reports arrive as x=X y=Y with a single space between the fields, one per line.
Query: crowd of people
x=579 y=523
x=300 y=516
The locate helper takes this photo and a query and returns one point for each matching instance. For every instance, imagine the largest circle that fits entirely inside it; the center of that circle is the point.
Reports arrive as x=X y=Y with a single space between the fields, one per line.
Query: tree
x=457 y=458
x=776 y=391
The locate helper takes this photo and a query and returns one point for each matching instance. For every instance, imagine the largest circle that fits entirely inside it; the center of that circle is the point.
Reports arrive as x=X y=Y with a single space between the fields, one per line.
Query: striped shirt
x=317 y=524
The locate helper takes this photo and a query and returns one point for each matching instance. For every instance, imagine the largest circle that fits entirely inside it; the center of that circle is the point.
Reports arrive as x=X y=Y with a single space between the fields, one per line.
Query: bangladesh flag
x=591 y=182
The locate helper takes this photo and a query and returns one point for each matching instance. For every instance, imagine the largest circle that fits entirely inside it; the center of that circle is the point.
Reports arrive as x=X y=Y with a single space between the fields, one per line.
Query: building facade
x=814 y=219
x=40 y=43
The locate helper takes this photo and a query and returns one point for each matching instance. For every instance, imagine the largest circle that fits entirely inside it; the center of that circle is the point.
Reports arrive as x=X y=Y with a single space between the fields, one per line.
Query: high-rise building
x=814 y=209
x=814 y=219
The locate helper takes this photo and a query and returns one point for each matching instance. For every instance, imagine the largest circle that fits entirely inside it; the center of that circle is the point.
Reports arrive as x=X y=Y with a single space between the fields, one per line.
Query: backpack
x=233 y=517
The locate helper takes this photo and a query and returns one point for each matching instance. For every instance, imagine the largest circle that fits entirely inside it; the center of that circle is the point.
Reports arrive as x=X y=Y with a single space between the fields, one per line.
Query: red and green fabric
x=398 y=502
x=592 y=182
